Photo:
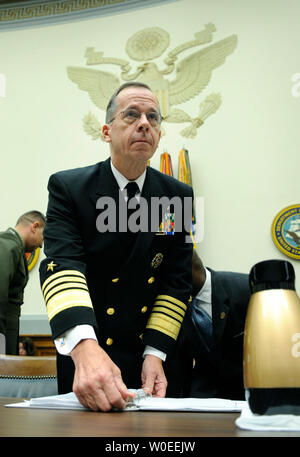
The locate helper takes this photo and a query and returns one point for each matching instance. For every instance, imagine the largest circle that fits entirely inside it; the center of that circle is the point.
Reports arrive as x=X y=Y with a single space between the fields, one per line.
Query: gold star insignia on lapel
x=51 y=265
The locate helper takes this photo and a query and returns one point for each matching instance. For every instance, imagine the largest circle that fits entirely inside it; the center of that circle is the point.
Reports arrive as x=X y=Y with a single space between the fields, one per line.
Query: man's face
x=34 y=238
x=135 y=142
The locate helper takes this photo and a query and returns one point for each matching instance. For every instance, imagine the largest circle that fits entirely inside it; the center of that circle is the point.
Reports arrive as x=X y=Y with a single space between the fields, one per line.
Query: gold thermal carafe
x=272 y=340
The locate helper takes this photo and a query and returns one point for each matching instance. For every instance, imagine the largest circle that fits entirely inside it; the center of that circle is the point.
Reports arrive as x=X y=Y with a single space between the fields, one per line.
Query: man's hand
x=97 y=382
x=153 y=376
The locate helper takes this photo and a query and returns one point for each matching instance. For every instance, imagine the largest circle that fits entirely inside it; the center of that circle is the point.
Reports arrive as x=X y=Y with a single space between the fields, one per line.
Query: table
x=28 y=422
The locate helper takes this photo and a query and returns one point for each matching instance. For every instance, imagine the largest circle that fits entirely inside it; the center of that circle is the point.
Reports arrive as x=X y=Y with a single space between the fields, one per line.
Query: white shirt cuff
x=149 y=350
x=66 y=342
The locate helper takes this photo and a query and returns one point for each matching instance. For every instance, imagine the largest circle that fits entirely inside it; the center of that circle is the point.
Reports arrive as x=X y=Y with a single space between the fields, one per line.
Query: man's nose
x=143 y=123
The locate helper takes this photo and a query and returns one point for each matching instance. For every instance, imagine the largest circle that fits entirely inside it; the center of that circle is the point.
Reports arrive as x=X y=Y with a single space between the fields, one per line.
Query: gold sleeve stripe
x=64 y=288
x=72 y=273
x=175 y=309
x=163 y=324
x=65 y=300
x=172 y=300
x=64 y=280
x=167 y=312
x=167 y=315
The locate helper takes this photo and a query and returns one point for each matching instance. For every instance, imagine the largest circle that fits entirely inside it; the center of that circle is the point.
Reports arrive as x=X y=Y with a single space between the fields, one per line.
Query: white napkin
x=277 y=422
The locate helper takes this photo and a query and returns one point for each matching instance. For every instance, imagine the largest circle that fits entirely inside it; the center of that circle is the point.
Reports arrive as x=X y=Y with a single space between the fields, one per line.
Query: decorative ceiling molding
x=48 y=12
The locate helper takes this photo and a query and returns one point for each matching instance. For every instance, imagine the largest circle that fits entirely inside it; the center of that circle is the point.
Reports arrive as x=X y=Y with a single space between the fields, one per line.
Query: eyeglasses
x=131 y=115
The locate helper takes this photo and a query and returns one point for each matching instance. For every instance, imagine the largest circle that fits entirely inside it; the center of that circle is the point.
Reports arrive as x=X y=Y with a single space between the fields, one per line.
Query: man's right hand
x=98 y=383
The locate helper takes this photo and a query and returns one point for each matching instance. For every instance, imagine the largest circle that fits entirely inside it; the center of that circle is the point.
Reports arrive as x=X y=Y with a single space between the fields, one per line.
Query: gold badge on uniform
x=157 y=260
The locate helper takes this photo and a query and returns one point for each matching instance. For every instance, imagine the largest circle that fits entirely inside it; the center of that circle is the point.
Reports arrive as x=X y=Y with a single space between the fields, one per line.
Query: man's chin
x=143 y=151
x=142 y=146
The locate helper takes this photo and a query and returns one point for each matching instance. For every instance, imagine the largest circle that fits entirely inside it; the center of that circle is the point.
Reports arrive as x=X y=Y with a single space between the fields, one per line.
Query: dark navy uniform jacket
x=132 y=298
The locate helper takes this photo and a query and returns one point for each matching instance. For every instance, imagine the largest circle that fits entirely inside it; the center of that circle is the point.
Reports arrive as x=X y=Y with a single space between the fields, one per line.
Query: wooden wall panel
x=43 y=344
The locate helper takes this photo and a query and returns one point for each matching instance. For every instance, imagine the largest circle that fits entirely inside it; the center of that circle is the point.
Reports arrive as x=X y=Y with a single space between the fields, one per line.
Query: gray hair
x=112 y=104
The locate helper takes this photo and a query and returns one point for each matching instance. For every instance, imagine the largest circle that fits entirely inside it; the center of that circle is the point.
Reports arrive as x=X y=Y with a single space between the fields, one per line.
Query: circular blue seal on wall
x=286 y=231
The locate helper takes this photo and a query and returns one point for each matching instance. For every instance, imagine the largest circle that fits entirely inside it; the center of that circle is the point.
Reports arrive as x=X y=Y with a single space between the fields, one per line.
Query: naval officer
x=116 y=300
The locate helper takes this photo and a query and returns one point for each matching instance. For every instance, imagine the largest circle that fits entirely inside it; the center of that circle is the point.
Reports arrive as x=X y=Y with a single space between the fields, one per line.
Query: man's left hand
x=153 y=376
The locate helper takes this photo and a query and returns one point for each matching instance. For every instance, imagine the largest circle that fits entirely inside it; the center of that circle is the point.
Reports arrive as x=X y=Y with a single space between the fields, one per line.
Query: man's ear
x=106 y=133
x=34 y=226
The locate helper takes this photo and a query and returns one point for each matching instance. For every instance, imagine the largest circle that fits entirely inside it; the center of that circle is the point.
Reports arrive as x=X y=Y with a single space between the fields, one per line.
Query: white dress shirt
x=66 y=342
x=204 y=294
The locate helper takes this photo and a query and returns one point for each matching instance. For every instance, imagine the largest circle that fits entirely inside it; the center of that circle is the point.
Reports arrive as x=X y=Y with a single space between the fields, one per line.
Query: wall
x=245 y=158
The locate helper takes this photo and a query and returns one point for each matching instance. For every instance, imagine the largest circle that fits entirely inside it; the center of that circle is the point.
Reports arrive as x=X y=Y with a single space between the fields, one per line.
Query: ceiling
x=16 y=14
x=9 y=2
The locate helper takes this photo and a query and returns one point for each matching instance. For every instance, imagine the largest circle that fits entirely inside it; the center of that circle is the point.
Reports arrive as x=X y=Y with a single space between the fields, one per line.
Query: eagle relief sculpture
x=191 y=75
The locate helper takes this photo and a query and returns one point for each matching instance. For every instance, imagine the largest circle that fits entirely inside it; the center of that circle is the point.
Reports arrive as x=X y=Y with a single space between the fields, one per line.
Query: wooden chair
x=27 y=377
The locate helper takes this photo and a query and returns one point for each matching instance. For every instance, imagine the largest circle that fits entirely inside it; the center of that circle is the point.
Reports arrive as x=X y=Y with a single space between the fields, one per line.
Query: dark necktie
x=203 y=323
x=132 y=189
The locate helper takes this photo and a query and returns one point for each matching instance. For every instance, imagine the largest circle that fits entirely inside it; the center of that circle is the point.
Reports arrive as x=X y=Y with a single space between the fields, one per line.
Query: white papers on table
x=70 y=401
x=189 y=404
x=65 y=401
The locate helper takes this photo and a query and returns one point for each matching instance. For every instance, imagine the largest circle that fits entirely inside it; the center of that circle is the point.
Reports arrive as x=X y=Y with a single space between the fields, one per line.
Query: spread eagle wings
x=100 y=85
x=194 y=72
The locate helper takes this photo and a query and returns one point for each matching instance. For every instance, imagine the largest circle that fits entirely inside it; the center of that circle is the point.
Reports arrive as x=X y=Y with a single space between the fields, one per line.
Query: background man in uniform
x=14 y=243
x=115 y=301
